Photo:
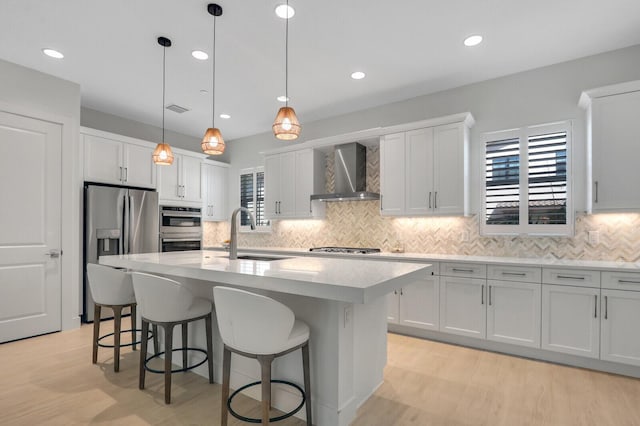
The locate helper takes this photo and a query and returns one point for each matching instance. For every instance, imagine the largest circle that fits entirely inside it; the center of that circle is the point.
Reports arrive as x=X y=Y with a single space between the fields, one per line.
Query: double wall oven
x=180 y=228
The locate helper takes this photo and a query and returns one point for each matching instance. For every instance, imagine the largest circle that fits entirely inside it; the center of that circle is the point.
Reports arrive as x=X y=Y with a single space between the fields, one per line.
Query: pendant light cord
x=213 y=79
x=164 y=66
x=286 y=58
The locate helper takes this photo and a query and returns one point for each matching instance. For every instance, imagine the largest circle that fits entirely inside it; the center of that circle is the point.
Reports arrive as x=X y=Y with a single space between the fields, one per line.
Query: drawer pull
x=462 y=270
x=628 y=282
x=569 y=277
x=515 y=274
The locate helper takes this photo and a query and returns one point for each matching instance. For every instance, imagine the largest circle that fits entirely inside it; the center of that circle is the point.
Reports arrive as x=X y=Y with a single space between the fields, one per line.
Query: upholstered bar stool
x=259 y=327
x=111 y=288
x=167 y=303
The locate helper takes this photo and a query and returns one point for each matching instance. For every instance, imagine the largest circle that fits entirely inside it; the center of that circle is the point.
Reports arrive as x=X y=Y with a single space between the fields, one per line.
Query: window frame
x=253 y=171
x=524 y=228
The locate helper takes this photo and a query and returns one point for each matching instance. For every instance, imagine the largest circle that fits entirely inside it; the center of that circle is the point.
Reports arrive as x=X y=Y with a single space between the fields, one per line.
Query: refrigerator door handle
x=126 y=224
x=130 y=223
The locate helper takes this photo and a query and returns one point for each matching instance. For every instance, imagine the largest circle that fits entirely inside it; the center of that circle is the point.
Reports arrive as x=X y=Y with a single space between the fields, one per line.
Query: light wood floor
x=50 y=380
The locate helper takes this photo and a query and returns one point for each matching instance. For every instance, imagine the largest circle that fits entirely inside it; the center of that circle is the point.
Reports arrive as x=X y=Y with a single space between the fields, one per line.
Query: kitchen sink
x=261 y=258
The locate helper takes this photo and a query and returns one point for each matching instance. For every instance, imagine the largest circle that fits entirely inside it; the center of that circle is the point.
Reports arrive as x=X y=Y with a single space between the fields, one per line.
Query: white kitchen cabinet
x=620 y=322
x=118 y=160
x=290 y=180
x=571 y=320
x=612 y=140
x=214 y=186
x=181 y=182
x=513 y=312
x=416 y=304
x=463 y=306
x=425 y=171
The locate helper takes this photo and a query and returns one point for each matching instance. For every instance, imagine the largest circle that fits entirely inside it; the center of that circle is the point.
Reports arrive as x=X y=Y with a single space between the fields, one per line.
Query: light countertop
x=349 y=280
x=434 y=257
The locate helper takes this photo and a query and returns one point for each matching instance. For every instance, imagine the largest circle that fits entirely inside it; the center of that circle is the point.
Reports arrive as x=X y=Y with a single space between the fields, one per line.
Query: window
x=252 y=197
x=534 y=199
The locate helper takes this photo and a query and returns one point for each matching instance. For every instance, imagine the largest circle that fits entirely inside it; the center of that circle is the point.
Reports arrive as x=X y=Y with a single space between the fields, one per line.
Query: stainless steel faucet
x=233 y=239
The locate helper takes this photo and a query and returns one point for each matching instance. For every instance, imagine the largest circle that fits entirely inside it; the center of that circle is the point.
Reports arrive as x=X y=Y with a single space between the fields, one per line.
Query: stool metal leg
x=265 y=368
x=96 y=331
x=143 y=352
x=185 y=343
x=168 y=352
x=134 y=320
x=307 y=380
x=209 y=331
x=155 y=337
x=226 y=373
x=117 y=326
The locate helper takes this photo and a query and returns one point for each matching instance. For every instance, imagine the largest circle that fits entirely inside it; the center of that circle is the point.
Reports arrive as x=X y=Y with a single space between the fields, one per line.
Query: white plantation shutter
x=252 y=198
x=527 y=182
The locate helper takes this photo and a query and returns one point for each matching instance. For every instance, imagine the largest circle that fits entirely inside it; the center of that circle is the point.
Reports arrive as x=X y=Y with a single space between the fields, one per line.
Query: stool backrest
x=110 y=286
x=252 y=323
x=161 y=299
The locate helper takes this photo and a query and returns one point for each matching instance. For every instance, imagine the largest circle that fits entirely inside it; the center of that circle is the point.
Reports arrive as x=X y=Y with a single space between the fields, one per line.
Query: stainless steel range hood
x=350 y=168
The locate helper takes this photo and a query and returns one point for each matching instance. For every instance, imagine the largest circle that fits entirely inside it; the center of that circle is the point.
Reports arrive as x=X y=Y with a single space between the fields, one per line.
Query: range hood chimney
x=350 y=175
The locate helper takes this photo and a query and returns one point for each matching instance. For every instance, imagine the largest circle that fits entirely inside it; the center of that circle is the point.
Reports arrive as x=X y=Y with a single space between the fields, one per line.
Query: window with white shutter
x=252 y=198
x=527 y=182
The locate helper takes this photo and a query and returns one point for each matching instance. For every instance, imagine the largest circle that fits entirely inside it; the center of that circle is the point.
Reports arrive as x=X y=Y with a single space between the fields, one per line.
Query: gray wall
x=532 y=97
x=134 y=129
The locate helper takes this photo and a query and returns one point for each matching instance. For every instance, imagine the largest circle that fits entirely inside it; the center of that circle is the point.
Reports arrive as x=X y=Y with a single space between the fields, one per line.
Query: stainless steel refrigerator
x=117 y=220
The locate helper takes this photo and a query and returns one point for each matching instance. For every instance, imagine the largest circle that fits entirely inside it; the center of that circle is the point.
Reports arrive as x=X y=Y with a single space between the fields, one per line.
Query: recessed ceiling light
x=358 y=75
x=283 y=98
x=225 y=116
x=285 y=11
x=473 y=40
x=200 y=55
x=52 y=53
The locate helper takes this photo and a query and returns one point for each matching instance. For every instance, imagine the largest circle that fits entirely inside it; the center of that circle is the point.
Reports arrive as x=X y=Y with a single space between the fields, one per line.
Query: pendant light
x=163 y=155
x=212 y=142
x=286 y=126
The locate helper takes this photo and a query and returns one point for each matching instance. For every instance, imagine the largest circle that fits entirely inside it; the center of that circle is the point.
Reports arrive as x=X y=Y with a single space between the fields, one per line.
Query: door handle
x=606 y=307
x=126 y=174
x=595 y=307
x=482 y=295
x=121 y=175
x=489 y=295
x=54 y=254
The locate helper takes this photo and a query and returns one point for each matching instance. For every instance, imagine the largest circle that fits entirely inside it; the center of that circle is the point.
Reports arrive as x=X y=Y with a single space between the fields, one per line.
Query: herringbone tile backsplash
x=359 y=224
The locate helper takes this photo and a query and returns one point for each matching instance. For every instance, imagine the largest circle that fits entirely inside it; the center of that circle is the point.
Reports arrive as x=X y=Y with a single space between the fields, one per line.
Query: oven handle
x=182 y=214
x=175 y=240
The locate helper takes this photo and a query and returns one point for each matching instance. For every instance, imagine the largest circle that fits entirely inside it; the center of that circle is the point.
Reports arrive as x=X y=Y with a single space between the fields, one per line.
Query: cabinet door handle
x=482 y=295
x=569 y=277
x=435 y=200
x=606 y=307
x=126 y=174
x=381 y=195
x=121 y=175
x=489 y=295
x=595 y=306
x=595 y=200
x=429 y=199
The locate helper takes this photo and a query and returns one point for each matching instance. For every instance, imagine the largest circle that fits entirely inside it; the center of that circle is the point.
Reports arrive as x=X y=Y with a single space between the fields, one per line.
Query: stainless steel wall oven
x=180 y=228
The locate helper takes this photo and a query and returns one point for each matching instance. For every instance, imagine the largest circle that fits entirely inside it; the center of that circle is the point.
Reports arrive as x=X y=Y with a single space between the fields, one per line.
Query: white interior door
x=30 y=222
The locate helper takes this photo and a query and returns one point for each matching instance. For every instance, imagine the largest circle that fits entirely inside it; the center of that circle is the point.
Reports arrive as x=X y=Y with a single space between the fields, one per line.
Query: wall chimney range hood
x=350 y=170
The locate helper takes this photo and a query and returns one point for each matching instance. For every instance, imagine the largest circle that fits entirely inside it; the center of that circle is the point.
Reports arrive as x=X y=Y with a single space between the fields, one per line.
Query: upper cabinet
x=290 y=180
x=181 y=182
x=118 y=160
x=612 y=146
x=425 y=171
x=214 y=186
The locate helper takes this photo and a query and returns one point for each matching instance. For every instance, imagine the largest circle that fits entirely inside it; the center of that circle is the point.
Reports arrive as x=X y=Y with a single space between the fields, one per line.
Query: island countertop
x=346 y=280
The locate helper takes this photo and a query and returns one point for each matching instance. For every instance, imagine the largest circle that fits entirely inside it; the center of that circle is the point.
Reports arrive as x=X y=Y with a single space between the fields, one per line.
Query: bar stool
x=259 y=327
x=167 y=303
x=111 y=288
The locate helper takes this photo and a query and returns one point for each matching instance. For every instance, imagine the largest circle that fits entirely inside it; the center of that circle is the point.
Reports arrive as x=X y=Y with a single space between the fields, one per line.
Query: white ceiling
x=407 y=48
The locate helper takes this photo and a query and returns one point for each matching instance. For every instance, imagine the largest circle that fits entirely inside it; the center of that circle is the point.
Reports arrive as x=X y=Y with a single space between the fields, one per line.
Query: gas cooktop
x=353 y=250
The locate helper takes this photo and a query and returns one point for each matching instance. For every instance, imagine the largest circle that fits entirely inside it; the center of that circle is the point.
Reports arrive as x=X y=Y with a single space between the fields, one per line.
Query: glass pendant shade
x=286 y=126
x=163 y=155
x=213 y=143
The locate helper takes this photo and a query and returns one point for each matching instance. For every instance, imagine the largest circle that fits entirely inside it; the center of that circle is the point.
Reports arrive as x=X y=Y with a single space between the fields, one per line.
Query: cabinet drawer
x=621 y=280
x=455 y=269
x=525 y=274
x=573 y=277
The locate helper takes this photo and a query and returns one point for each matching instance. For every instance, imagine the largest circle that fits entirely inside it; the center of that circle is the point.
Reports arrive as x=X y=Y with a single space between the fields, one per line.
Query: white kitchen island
x=341 y=300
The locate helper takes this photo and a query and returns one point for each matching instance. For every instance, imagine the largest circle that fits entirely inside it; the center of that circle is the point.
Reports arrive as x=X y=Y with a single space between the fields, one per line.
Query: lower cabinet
x=462 y=306
x=416 y=304
x=571 y=320
x=620 y=322
x=513 y=312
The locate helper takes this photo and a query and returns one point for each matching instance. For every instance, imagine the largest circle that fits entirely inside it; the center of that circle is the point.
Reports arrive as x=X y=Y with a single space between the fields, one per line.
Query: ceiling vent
x=177 y=108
